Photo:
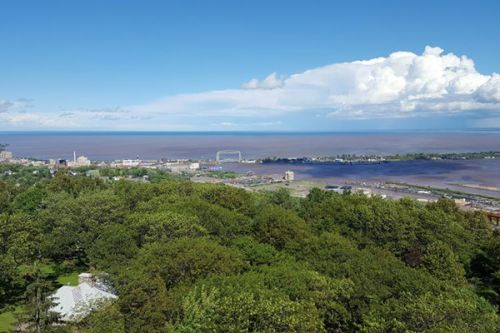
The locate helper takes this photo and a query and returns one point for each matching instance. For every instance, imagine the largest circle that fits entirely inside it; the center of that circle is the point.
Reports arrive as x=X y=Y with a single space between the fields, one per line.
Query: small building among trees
x=73 y=303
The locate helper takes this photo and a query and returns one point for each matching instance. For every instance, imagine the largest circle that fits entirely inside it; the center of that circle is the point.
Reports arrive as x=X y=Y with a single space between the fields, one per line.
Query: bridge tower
x=233 y=153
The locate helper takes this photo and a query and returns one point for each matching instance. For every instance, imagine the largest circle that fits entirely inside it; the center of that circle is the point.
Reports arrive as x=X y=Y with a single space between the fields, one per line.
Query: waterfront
x=480 y=176
x=440 y=174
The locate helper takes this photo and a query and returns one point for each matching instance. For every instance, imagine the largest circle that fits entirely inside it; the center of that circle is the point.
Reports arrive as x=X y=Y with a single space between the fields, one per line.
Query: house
x=73 y=303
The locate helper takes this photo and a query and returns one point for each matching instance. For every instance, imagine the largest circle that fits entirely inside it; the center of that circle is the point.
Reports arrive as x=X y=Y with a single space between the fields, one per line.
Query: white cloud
x=272 y=81
x=400 y=85
x=21 y=119
x=489 y=92
x=15 y=113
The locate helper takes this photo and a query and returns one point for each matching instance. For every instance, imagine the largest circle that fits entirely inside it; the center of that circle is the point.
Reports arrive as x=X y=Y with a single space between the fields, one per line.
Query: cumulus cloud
x=489 y=92
x=402 y=84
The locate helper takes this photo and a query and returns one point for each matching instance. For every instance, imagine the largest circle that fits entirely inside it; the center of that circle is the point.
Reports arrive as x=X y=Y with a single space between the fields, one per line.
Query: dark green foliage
x=256 y=253
x=37 y=312
x=64 y=182
x=185 y=260
x=186 y=257
x=280 y=227
x=107 y=318
x=231 y=198
x=164 y=226
x=144 y=304
x=114 y=247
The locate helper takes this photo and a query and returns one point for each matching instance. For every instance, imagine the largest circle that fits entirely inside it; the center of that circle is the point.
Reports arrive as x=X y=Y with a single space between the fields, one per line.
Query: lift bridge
x=224 y=156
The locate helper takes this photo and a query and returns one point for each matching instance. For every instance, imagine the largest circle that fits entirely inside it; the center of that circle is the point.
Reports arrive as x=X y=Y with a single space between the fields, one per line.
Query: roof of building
x=76 y=302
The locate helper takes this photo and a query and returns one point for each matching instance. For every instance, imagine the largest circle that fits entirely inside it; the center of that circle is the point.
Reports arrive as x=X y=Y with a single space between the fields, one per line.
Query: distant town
x=212 y=171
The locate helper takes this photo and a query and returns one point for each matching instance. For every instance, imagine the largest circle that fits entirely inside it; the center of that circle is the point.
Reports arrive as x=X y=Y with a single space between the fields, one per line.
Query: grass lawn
x=51 y=270
x=68 y=279
x=8 y=320
x=45 y=268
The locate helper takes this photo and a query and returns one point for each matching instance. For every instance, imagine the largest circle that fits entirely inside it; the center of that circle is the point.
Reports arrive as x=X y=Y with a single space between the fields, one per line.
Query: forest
x=189 y=257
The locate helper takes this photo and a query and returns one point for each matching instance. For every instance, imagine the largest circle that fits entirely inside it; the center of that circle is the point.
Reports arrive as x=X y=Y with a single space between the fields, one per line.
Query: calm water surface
x=110 y=146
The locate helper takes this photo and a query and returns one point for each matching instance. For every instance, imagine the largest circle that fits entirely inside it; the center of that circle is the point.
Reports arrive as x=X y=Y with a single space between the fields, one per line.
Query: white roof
x=75 y=302
x=85 y=275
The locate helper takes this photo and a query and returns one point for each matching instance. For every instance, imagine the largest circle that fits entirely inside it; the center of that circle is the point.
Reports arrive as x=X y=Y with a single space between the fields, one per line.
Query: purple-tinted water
x=110 y=146
x=443 y=174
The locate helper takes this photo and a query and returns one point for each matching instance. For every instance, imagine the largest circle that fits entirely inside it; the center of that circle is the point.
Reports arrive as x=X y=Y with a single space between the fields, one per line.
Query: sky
x=249 y=65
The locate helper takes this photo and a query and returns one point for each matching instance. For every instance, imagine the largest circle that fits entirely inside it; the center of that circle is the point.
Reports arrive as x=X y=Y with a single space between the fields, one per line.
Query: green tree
x=114 y=247
x=143 y=303
x=187 y=259
x=37 y=314
x=106 y=318
x=164 y=226
x=231 y=198
x=441 y=262
x=458 y=311
x=279 y=227
x=246 y=309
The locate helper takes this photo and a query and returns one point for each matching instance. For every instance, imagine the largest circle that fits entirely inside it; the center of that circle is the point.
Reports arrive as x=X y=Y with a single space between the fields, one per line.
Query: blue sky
x=249 y=65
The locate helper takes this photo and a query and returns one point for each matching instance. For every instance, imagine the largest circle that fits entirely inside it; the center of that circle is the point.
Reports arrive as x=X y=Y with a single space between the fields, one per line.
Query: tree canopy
x=187 y=257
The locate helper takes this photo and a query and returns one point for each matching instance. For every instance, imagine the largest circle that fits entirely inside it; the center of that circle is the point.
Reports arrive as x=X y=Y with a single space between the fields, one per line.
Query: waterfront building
x=79 y=162
x=461 y=202
x=289 y=176
x=6 y=155
x=61 y=163
x=131 y=163
x=83 y=161
x=182 y=166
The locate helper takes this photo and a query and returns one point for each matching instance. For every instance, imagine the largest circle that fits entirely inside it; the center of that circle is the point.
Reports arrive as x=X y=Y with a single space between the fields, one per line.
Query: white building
x=79 y=162
x=194 y=166
x=131 y=163
x=461 y=202
x=6 y=155
x=74 y=303
x=182 y=166
x=83 y=161
x=289 y=175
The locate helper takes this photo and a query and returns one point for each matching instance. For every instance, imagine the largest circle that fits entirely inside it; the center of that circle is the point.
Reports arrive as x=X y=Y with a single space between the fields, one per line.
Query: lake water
x=442 y=174
x=122 y=145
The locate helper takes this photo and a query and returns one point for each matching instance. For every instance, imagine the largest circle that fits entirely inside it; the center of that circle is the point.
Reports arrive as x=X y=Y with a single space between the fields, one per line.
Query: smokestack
x=74 y=156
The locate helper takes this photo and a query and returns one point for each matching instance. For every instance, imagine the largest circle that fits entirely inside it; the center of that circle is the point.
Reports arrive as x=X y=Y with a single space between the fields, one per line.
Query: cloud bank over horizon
x=401 y=85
